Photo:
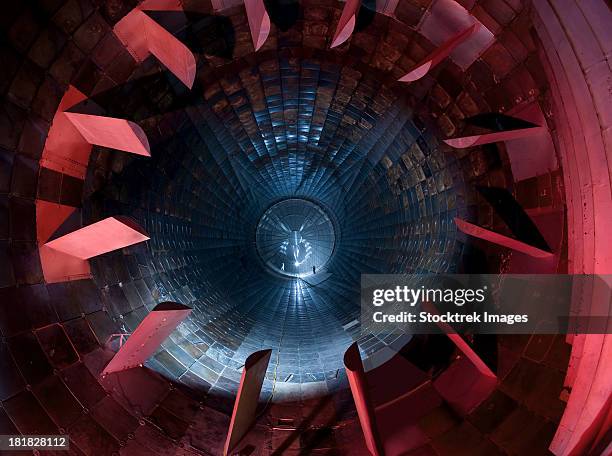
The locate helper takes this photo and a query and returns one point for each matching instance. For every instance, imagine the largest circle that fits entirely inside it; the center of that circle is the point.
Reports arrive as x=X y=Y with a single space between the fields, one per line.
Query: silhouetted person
x=314 y=269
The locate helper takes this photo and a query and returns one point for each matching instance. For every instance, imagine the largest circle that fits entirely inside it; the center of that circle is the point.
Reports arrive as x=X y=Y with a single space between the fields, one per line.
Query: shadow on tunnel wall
x=283 y=13
x=208 y=34
x=366 y=15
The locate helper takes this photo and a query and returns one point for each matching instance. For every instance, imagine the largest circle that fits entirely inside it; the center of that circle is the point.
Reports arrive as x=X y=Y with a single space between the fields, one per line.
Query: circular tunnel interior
x=273 y=183
x=297 y=232
x=250 y=213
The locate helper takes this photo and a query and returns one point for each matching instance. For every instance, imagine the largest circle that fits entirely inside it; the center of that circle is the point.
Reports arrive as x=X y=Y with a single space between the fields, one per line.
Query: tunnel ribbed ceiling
x=282 y=128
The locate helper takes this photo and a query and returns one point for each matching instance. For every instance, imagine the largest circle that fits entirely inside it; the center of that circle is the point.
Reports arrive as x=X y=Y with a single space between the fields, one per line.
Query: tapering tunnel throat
x=295 y=237
x=273 y=152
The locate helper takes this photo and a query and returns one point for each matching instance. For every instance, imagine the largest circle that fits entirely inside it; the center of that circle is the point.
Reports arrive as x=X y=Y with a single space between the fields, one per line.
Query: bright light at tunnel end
x=295 y=238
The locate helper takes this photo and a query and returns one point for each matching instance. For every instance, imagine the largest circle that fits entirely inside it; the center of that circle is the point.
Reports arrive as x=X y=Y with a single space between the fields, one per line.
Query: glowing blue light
x=295 y=238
